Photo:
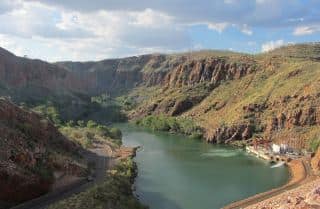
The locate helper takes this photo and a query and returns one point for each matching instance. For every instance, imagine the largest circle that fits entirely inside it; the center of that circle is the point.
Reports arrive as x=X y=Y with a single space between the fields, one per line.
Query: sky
x=81 y=30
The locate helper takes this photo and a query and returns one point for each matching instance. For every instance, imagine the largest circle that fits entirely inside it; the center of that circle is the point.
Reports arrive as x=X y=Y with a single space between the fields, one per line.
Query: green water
x=175 y=172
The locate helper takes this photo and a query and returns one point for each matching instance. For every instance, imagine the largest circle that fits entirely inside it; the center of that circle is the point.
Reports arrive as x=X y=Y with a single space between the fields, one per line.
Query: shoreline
x=298 y=172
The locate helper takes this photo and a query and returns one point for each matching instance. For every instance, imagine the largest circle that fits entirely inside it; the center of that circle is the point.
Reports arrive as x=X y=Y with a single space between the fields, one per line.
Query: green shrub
x=81 y=123
x=314 y=144
x=50 y=112
x=115 y=133
x=87 y=135
x=91 y=124
x=177 y=125
x=70 y=123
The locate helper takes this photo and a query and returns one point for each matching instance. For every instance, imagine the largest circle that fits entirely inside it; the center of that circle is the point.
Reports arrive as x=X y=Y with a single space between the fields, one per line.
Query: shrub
x=80 y=123
x=91 y=124
x=70 y=123
x=115 y=133
x=177 y=125
x=314 y=144
x=50 y=112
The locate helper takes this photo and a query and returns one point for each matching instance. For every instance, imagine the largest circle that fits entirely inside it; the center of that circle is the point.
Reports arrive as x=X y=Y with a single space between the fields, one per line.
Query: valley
x=52 y=112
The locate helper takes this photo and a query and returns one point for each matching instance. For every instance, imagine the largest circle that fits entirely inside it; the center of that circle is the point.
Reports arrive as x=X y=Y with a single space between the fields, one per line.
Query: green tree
x=81 y=123
x=91 y=124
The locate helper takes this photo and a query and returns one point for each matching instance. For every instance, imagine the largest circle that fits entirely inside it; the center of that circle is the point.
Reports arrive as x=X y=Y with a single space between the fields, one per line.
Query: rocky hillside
x=232 y=96
x=239 y=97
x=116 y=76
x=31 y=150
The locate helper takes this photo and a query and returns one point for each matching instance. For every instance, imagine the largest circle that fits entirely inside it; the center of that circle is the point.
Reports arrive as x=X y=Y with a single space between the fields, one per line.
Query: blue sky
x=56 y=30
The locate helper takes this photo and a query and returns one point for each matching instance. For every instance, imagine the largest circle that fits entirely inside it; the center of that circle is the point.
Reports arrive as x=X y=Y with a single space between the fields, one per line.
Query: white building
x=276 y=148
x=279 y=149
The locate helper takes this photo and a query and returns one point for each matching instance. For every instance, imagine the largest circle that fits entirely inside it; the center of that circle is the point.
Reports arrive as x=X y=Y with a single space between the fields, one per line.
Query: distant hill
x=307 y=51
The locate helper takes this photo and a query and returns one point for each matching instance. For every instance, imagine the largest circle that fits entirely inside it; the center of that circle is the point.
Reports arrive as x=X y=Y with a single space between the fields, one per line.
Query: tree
x=91 y=124
x=80 y=123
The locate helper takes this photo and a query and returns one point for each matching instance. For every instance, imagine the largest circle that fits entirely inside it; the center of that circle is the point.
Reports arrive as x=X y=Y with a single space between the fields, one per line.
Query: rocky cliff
x=274 y=95
x=168 y=70
x=116 y=76
x=232 y=96
x=31 y=150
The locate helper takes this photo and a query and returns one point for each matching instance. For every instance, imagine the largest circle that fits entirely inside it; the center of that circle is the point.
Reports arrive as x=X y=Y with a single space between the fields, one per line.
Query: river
x=175 y=172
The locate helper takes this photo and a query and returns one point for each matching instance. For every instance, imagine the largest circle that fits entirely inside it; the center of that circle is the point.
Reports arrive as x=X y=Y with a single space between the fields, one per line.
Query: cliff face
x=212 y=71
x=112 y=76
x=188 y=83
x=232 y=96
x=117 y=75
x=28 y=148
x=152 y=70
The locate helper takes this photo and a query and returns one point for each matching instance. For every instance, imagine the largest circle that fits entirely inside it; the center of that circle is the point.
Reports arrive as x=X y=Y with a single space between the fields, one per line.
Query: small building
x=280 y=149
x=276 y=148
x=284 y=148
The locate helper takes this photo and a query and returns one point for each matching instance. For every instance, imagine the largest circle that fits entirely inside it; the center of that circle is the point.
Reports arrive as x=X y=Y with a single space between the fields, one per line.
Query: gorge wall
x=232 y=96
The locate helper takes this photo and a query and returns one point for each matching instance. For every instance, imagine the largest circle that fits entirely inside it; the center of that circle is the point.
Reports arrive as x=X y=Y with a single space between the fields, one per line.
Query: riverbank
x=300 y=174
x=114 y=192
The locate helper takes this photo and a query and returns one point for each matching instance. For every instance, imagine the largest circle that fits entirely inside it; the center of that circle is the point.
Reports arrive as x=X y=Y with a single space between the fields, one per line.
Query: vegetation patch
x=115 y=193
x=171 y=124
x=91 y=132
x=314 y=144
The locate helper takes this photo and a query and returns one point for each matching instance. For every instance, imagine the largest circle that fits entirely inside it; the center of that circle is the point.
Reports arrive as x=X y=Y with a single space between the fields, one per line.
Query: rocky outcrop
x=226 y=134
x=27 y=144
x=211 y=70
x=308 y=116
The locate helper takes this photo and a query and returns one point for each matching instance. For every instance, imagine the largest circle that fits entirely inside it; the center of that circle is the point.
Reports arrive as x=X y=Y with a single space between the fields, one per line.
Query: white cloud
x=11 y=45
x=251 y=12
x=8 y=5
x=150 y=18
x=246 y=30
x=118 y=28
x=306 y=30
x=271 y=45
x=220 y=27
x=91 y=35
